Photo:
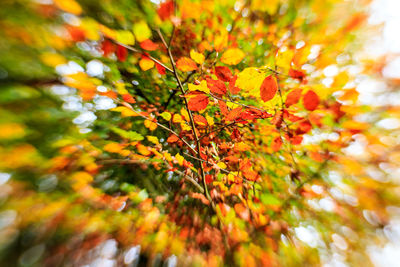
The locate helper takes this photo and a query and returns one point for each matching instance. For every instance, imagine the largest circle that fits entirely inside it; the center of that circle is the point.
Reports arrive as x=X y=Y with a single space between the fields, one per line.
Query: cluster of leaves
x=219 y=133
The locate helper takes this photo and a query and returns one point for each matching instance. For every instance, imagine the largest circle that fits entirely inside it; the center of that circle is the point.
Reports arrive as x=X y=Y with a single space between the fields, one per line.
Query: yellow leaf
x=82 y=177
x=153 y=139
x=150 y=125
x=197 y=57
x=91 y=28
x=285 y=58
x=9 y=131
x=232 y=56
x=107 y=32
x=210 y=120
x=121 y=88
x=141 y=31
x=177 y=118
x=190 y=9
x=221 y=40
x=52 y=59
x=250 y=80
x=221 y=165
x=185 y=127
x=185 y=114
x=231 y=176
x=201 y=87
x=125 y=37
x=146 y=64
x=166 y=115
x=125 y=112
x=114 y=147
x=143 y=150
x=167 y=156
x=232 y=105
x=70 y=6
x=179 y=158
x=271 y=7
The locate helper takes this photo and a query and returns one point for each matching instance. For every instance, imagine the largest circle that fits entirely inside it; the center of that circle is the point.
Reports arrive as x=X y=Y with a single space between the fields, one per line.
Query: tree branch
x=203 y=177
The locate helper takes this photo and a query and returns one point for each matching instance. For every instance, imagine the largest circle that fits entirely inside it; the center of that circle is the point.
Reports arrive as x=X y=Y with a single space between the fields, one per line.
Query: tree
x=189 y=132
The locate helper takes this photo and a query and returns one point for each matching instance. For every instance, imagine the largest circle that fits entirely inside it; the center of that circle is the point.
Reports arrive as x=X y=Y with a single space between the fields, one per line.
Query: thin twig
x=237 y=103
x=213 y=164
x=145 y=54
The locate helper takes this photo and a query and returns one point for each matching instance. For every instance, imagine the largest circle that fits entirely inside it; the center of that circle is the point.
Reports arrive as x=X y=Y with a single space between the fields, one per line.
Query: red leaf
x=128 y=98
x=276 y=144
x=296 y=74
x=232 y=88
x=76 y=33
x=160 y=69
x=310 y=100
x=234 y=113
x=296 y=140
x=304 y=127
x=235 y=134
x=223 y=73
x=209 y=179
x=293 y=97
x=107 y=47
x=198 y=102
x=216 y=86
x=148 y=45
x=165 y=10
x=122 y=53
x=269 y=87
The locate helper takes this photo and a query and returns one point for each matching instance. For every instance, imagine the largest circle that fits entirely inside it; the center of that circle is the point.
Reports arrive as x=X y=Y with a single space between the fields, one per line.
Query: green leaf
x=132 y=135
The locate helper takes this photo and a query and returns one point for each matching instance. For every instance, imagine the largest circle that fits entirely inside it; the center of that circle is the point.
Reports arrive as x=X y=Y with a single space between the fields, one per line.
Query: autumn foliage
x=187 y=132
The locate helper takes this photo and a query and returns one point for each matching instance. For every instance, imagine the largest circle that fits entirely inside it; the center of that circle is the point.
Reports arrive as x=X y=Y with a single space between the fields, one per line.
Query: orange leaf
x=200 y=120
x=310 y=100
x=234 y=113
x=186 y=64
x=268 y=88
x=149 y=45
x=128 y=98
x=198 y=102
x=242 y=211
x=201 y=197
x=172 y=138
x=293 y=97
x=276 y=144
x=223 y=107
